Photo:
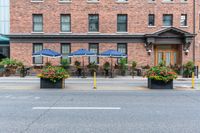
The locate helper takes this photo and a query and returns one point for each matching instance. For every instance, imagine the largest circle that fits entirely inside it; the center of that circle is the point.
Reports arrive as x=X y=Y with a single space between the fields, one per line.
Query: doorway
x=170 y=54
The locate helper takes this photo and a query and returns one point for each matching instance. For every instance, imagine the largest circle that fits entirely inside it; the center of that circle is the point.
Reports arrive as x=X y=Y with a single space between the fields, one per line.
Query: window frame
x=89 y=15
x=61 y=48
x=97 y=44
x=171 y=20
x=33 y=22
x=125 y=52
x=118 y=15
x=69 y=15
x=33 y=58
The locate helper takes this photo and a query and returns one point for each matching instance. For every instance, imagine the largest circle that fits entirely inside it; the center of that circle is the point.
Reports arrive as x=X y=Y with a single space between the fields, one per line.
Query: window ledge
x=65 y=2
x=168 y=2
x=93 y=32
x=121 y=2
x=65 y=32
x=122 y=32
x=166 y=26
x=93 y=2
x=151 y=26
x=37 y=1
x=37 y=32
x=183 y=26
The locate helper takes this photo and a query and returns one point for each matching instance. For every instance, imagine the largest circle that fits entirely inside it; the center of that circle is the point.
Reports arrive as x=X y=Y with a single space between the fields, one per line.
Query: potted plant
x=65 y=64
x=133 y=67
x=78 y=67
x=21 y=69
x=2 y=70
x=188 y=68
x=145 y=69
x=10 y=66
x=106 y=68
x=53 y=77
x=160 y=77
x=123 y=66
x=93 y=67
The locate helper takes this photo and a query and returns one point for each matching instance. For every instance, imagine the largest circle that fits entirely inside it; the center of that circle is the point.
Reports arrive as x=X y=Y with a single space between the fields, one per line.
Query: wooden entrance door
x=167 y=53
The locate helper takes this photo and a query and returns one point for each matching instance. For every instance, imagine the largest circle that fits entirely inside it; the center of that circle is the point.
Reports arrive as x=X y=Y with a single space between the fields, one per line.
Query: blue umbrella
x=112 y=54
x=47 y=53
x=82 y=53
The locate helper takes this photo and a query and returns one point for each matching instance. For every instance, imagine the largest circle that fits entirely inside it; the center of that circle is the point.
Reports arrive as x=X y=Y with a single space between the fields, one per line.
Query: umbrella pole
x=83 y=67
x=111 y=73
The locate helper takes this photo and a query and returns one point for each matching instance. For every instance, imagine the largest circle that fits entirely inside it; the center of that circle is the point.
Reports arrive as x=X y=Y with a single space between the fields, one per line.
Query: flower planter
x=157 y=84
x=46 y=83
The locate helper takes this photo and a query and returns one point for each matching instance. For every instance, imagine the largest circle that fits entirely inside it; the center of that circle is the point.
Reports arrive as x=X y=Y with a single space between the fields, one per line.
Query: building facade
x=4 y=28
x=148 y=31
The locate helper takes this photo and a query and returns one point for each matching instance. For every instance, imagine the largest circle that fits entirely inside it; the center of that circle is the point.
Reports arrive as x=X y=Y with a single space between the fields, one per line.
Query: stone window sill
x=37 y=32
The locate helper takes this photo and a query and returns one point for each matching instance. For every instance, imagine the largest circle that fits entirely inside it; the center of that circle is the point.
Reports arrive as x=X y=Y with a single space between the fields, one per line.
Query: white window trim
x=39 y=1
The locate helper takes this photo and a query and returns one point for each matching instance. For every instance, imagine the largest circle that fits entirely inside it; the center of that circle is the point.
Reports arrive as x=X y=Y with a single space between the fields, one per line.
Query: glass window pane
x=65 y=23
x=94 y=48
x=122 y=23
x=160 y=57
x=37 y=47
x=168 y=58
x=37 y=23
x=94 y=23
x=175 y=58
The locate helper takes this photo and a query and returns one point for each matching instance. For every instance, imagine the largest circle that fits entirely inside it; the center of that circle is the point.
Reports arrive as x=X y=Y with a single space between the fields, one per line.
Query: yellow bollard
x=95 y=81
x=193 y=80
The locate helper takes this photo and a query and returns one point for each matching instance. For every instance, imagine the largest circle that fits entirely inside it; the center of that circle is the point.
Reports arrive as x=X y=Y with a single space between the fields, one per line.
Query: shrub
x=65 y=63
x=53 y=73
x=188 y=69
x=123 y=66
x=162 y=73
x=133 y=66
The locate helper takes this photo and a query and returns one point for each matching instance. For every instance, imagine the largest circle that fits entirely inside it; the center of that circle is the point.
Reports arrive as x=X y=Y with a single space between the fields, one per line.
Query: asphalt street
x=95 y=111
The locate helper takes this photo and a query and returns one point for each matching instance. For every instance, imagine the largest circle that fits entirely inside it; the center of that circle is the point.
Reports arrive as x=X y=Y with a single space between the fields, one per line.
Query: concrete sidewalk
x=90 y=78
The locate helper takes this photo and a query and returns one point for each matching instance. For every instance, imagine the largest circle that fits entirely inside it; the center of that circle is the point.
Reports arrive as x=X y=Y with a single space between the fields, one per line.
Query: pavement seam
x=41 y=115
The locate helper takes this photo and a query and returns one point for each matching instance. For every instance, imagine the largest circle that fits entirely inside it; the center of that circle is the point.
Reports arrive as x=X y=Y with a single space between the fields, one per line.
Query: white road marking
x=77 y=108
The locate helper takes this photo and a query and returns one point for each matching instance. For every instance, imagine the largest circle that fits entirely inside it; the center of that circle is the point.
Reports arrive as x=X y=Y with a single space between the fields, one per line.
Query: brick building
x=148 y=31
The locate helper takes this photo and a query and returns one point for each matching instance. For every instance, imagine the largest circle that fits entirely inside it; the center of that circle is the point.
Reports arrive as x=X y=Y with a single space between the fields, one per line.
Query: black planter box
x=46 y=83
x=157 y=84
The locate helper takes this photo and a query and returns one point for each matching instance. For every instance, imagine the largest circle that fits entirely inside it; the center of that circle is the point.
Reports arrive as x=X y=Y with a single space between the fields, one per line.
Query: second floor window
x=151 y=20
x=65 y=23
x=121 y=23
x=183 y=20
x=167 y=20
x=37 y=23
x=93 y=23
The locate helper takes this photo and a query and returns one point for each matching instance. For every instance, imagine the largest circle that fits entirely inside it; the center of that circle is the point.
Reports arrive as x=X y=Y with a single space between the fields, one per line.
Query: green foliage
x=93 y=67
x=53 y=73
x=77 y=64
x=106 y=66
x=133 y=66
x=10 y=62
x=162 y=73
x=47 y=64
x=123 y=66
x=146 y=67
x=188 y=69
x=65 y=63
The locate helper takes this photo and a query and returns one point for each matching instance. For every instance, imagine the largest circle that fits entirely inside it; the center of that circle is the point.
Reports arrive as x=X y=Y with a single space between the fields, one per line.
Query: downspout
x=194 y=28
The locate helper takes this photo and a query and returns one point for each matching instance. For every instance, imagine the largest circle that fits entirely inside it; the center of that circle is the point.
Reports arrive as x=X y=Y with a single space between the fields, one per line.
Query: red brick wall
x=137 y=10
x=21 y=22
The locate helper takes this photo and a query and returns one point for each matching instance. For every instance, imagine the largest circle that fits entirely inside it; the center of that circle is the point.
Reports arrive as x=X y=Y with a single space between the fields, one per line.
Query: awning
x=4 y=40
